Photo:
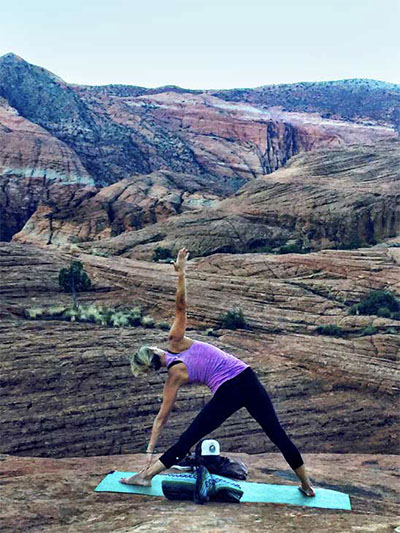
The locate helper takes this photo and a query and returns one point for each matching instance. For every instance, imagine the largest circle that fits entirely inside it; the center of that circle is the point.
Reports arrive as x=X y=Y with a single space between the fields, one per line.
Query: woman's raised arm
x=177 y=331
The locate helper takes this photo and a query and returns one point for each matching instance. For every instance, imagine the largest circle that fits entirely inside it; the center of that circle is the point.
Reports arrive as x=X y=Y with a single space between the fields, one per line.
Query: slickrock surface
x=67 y=388
x=56 y=495
x=126 y=205
x=330 y=197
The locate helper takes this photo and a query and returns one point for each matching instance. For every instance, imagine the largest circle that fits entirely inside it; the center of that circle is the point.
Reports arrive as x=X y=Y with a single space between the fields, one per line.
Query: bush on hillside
x=369 y=330
x=383 y=301
x=384 y=312
x=163 y=325
x=104 y=316
x=148 y=321
x=233 y=319
x=330 y=329
x=74 y=279
x=162 y=254
x=295 y=248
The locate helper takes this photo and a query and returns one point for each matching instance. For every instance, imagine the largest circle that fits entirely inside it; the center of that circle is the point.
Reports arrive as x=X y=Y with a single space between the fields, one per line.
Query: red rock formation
x=30 y=161
x=234 y=140
x=74 y=214
x=56 y=131
x=67 y=386
x=58 y=495
x=346 y=197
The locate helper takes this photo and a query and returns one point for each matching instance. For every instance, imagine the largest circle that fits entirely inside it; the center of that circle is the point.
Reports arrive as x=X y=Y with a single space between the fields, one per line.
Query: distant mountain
x=53 y=131
x=104 y=147
x=353 y=99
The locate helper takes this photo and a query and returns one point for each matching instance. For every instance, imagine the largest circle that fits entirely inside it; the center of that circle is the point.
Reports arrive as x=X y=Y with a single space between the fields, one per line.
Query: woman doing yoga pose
x=232 y=382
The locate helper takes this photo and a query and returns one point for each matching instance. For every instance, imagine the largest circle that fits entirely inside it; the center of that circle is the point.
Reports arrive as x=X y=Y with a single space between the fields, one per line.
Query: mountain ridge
x=233 y=94
x=220 y=139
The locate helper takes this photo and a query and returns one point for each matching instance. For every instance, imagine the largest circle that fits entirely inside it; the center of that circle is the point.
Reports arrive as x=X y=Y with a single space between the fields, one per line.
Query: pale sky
x=205 y=44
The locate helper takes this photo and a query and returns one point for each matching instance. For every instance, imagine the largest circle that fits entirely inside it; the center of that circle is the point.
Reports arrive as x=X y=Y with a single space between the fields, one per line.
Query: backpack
x=220 y=465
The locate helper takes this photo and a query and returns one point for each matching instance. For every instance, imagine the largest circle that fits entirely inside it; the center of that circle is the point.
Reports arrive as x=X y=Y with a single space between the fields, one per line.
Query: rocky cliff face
x=67 y=387
x=55 y=131
x=321 y=199
x=31 y=162
x=233 y=140
x=103 y=147
x=85 y=214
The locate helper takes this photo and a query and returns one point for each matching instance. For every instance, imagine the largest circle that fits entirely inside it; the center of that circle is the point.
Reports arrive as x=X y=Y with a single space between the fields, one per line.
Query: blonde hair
x=144 y=361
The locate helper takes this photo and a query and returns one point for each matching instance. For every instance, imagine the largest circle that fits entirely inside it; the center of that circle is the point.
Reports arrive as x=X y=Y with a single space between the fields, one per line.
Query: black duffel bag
x=218 y=464
x=215 y=464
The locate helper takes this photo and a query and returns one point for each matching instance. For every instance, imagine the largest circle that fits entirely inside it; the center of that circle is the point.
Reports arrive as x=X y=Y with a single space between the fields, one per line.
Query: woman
x=232 y=382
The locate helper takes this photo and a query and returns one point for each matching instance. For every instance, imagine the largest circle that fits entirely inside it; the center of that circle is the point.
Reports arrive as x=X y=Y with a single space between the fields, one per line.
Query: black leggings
x=244 y=390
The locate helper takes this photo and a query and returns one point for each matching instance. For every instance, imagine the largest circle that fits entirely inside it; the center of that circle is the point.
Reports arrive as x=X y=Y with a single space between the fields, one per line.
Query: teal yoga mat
x=252 y=492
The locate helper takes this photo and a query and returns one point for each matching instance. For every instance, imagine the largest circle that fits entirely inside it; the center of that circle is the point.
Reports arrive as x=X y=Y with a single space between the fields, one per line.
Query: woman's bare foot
x=306 y=487
x=307 y=490
x=136 y=479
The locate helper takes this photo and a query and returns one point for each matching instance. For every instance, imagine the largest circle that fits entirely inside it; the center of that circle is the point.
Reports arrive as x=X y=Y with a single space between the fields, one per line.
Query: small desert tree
x=74 y=279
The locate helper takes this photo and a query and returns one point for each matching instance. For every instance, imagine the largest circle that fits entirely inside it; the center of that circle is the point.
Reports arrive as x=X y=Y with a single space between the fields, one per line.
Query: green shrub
x=135 y=316
x=34 y=312
x=210 y=332
x=233 y=319
x=354 y=309
x=93 y=314
x=263 y=249
x=107 y=313
x=82 y=315
x=55 y=310
x=383 y=312
x=374 y=301
x=369 y=330
x=162 y=254
x=330 y=329
x=100 y=253
x=163 y=325
x=96 y=315
x=292 y=249
x=352 y=245
x=148 y=321
x=396 y=316
x=119 y=319
x=392 y=331
x=71 y=314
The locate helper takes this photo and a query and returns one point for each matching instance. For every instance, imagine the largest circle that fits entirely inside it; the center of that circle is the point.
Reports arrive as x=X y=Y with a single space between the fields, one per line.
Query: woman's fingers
x=183 y=253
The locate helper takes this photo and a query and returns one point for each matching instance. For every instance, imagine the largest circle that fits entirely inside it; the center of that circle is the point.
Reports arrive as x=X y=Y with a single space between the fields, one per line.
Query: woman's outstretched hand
x=180 y=262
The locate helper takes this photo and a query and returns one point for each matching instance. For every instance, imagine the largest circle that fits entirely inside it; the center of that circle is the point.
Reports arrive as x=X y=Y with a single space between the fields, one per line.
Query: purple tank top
x=208 y=364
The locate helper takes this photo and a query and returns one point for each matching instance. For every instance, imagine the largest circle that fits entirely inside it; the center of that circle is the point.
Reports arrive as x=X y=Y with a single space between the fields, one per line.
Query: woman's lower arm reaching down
x=158 y=425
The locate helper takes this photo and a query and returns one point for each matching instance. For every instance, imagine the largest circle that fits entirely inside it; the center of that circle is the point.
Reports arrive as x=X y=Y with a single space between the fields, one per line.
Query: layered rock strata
x=323 y=199
x=53 y=130
x=67 y=387
x=359 y=100
x=31 y=162
x=236 y=141
x=130 y=204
